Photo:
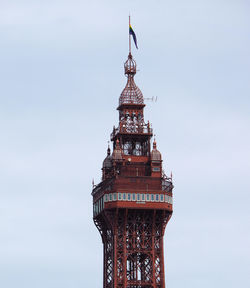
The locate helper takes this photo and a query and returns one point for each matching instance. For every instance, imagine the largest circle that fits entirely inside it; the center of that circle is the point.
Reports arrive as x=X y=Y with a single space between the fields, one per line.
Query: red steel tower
x=133 y=203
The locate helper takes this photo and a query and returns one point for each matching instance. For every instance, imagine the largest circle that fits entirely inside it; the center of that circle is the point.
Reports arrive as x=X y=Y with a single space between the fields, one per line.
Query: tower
x=133 y=203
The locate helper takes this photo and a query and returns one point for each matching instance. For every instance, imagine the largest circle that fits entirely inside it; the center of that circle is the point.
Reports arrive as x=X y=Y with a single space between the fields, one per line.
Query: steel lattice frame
x=133 y=247
x=133 y=203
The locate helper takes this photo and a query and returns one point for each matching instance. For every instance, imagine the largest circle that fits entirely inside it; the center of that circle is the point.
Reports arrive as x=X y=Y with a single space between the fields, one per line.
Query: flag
x=131 y=32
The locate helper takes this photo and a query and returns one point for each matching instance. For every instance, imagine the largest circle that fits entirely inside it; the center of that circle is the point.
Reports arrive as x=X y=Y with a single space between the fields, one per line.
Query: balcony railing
x=131 y=129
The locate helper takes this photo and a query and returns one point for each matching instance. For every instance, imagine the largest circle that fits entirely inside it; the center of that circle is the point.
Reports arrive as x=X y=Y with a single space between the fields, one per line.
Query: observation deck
x=133 y=193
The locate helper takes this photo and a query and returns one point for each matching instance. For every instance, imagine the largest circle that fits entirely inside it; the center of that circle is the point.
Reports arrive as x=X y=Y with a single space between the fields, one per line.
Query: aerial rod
x=153 y=99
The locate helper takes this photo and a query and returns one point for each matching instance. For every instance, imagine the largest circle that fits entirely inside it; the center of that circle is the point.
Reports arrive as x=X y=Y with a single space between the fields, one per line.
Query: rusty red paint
x=132 y=230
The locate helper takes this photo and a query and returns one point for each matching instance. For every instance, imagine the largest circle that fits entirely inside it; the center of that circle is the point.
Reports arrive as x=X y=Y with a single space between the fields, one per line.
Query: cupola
x=107 y=162
x=156 y=166
x=155 y=154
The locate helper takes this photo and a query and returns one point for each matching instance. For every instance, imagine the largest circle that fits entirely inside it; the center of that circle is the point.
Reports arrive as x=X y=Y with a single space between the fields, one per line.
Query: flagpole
x=129 y=37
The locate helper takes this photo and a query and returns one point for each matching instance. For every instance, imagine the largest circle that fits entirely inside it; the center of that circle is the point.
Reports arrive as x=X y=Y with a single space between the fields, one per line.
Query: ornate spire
x=131 y=94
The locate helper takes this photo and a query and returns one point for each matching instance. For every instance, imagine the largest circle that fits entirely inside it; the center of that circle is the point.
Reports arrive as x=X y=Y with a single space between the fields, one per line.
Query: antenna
x=152 y=99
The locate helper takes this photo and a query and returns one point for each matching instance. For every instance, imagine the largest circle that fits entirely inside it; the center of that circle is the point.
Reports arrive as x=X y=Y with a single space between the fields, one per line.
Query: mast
x=129 y=36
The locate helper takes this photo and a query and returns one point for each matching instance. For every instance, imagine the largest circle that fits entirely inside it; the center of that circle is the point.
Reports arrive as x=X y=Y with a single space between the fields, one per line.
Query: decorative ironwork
x=131 y=93
x=133 y=203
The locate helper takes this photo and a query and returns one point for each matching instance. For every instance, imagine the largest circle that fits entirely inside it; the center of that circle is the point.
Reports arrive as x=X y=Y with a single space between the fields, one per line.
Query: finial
x=154 y=143
x=108 y=150
x=93 y=183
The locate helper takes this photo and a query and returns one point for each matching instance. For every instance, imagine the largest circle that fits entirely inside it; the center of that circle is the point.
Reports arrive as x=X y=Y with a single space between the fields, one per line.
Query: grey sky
x=61 y=74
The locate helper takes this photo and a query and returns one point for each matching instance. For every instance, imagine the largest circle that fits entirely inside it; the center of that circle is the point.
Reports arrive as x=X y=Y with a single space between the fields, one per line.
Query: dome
x=155 y=154
x=131 y=94
x=117 y=153
x=107 y=162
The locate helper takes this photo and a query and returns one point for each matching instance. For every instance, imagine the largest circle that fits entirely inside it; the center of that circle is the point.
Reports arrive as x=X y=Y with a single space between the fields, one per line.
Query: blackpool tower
x=133 y=203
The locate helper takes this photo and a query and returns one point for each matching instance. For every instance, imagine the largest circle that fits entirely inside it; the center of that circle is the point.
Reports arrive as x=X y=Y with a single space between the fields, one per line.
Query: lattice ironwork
x=131 y=93
x=133 y=248
x=133 y=203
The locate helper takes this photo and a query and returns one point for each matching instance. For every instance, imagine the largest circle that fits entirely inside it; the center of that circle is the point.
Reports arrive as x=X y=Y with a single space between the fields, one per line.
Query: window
x=152 y=197
x=138 y=197
x=106 y=198
x=156 y=169
x=166 y=198
x=133 y=196
x=114 y=196
x=148 y=197
x=110 y=197
x=124 y=196
x=129 y=196
x=157 y=197
x=119 y=196
x=143 y=197
x=162 y=198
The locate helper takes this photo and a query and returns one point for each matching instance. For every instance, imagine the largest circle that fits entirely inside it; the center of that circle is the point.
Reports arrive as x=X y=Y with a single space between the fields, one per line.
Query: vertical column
x=104 y=260
x=125 y=249
x=115 y=249
x=162 y=273
x=153 y=249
